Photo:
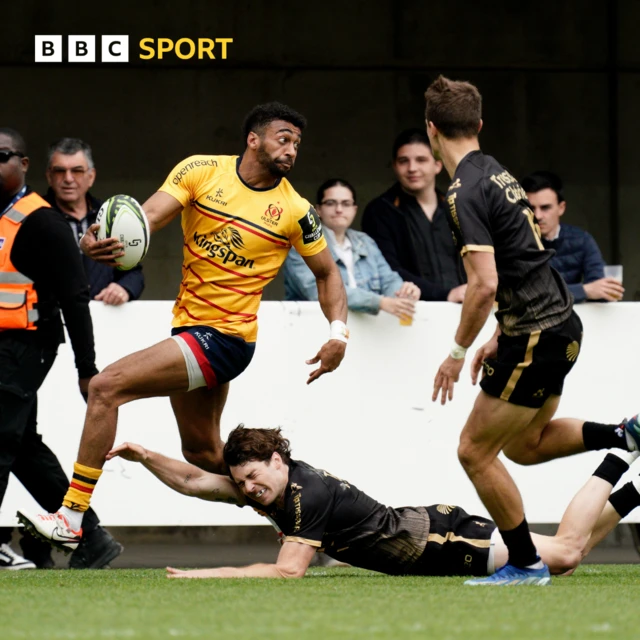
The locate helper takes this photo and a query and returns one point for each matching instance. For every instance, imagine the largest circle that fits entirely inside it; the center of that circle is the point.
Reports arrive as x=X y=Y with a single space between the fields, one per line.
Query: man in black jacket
x=41 y=268
x=70 y=174
x=409 y=224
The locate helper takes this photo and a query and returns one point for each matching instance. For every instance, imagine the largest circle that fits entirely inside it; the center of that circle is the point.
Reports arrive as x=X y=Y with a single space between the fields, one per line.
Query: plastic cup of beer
x=613 y=271
x=406 y=321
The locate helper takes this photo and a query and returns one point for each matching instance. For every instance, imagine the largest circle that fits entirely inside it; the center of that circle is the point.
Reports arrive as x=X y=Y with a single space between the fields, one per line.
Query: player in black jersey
x=537 y=340
x=313 y=510
x=538 y=336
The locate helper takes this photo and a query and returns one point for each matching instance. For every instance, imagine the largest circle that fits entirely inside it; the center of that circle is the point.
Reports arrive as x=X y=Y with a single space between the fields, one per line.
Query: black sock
x=598 y=436
x=611 y=469
x=522 y=552
x=625 y=500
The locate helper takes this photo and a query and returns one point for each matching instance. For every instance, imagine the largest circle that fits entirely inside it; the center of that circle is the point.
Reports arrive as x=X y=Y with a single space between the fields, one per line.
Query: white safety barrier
x=371 y=421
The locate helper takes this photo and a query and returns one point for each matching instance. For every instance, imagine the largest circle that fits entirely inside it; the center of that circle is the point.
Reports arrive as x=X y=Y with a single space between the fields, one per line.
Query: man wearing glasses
x=371 y=284
x=70 y=174
x=41 y=275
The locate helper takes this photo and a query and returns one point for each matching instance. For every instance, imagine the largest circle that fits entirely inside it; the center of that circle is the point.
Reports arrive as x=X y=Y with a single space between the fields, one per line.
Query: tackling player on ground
x=240 y=217
x=537 y=340
x=313 y=510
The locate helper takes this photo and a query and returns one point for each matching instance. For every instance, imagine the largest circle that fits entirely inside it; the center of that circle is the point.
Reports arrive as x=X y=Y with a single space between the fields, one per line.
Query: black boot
x=96 y=550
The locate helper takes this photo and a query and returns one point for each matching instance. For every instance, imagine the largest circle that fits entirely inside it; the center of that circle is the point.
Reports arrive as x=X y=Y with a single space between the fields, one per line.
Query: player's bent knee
x=566 y=562
x=102 y=388
x=471 y=457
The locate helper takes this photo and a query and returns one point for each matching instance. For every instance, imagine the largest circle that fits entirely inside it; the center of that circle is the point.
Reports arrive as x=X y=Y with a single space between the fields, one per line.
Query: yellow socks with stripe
x=81 y=488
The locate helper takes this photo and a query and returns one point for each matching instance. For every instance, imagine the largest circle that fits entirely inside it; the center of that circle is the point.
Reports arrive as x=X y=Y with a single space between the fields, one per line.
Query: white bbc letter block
x=82 y=48
x=115 y=48
x=48 y=48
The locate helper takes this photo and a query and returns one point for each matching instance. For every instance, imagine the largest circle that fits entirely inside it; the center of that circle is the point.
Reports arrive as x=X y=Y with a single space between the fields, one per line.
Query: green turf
x=599 y=601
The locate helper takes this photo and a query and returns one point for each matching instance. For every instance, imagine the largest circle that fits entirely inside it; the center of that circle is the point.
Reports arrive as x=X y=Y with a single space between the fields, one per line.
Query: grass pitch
x=599 y=601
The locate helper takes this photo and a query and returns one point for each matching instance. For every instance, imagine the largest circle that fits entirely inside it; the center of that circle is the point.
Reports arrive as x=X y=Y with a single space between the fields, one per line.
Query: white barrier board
x=371 y=421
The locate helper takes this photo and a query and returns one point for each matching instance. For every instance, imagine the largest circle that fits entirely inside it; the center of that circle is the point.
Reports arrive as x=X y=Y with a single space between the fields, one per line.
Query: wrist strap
x=338 y=331
x=458 y=352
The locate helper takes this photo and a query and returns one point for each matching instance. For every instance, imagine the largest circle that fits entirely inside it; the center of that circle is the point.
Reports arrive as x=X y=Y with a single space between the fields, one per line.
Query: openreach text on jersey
x=58 y=48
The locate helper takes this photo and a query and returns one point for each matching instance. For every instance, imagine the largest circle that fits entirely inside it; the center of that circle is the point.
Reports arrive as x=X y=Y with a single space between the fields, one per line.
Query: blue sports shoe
x=632 y=427
x=510 y=576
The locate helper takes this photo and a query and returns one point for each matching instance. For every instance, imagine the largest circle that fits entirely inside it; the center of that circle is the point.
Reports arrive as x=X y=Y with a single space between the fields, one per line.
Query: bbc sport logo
x=116 y=48
x=82 y=48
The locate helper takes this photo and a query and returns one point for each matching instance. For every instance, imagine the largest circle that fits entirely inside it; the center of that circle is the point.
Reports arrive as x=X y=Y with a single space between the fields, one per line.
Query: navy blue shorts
x=220 y=357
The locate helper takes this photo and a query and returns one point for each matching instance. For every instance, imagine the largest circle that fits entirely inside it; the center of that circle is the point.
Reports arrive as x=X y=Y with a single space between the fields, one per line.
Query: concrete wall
x=358 y=71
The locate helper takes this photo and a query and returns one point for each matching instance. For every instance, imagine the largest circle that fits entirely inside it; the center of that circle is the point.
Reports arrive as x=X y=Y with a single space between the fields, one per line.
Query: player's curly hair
x=455 y=107
x=263 y=114
x=245 y=445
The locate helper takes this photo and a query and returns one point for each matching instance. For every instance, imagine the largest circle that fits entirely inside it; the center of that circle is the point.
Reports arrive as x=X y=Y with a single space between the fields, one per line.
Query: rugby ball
x=122 y=217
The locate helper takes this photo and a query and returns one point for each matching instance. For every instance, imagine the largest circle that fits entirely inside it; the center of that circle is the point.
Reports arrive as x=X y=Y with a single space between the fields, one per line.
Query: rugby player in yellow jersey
x=240 y=217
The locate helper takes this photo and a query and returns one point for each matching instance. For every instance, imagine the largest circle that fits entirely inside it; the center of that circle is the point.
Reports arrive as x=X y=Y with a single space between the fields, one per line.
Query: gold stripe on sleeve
x=484 y=248
x=312 y=543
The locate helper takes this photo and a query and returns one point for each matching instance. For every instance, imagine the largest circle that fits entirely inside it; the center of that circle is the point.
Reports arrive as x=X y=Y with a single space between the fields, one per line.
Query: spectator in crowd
x=370 y=283
x=409 y=222
x=40 y=275
x=70 y=174
x=578 y=258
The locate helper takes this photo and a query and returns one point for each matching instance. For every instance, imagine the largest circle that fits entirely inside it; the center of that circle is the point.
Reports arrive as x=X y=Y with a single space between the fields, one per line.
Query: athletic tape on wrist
x=338 y=331
x=458 y=352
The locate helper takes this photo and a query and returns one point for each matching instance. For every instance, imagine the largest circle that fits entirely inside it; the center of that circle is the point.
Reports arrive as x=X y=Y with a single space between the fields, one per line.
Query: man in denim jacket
x=370 y=283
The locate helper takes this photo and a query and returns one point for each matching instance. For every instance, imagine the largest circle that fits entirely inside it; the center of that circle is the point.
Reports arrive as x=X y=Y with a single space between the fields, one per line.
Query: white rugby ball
x=122 y=217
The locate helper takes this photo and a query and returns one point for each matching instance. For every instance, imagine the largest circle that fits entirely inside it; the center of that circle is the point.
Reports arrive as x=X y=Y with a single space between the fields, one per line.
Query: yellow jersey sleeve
x=306 y=234
x=186 y=179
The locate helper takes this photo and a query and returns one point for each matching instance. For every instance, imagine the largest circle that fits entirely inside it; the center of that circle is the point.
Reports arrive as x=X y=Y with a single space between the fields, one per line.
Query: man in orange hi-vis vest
x=41 y=275
x=240 y=217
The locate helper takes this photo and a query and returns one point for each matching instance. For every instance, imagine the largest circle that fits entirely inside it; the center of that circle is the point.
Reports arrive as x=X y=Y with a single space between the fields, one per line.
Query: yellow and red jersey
x=235 y=239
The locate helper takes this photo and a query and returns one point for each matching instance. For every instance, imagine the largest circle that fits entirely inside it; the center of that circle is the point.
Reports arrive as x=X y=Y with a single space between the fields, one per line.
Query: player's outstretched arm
x=180 y=476
x=293 y=562
x=333 y=301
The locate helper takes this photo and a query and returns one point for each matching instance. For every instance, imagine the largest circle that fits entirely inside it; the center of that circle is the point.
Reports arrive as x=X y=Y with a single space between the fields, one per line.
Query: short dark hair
x=263 y=114
x=454 y=107
x=69 y=147
x=333 y=182
x=245 y=445
x=409 y=136
x=16 y=139
x=539 y=180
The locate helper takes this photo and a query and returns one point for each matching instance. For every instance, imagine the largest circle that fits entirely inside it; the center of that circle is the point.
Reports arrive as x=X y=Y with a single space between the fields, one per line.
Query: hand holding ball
x=122 y=217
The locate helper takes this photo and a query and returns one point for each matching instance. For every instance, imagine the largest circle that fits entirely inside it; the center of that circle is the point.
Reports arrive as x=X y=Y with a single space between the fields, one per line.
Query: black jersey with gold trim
x=331 y=514
x=488 y=211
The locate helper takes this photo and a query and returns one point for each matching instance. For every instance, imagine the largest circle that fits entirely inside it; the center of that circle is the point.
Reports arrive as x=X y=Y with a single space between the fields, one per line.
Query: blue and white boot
x=510 y=576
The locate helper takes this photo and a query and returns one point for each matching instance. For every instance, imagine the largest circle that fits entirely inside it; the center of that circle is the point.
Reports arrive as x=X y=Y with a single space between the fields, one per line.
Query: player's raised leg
x=590 y=516
x=567 y=436
x=159 y=370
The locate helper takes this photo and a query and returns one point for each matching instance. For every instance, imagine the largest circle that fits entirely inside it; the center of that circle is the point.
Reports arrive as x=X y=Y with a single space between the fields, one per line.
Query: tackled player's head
x=453 y=110
x=257 y=460
x=273 y=131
